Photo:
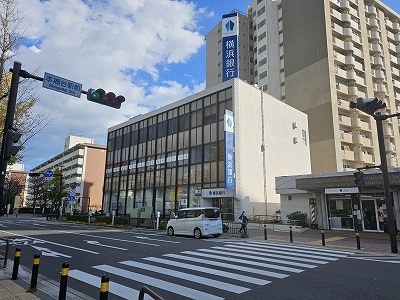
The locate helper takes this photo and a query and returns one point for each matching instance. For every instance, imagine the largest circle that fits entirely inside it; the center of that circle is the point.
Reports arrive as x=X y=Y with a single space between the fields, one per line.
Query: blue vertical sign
x=230 y=45
x=229 y=150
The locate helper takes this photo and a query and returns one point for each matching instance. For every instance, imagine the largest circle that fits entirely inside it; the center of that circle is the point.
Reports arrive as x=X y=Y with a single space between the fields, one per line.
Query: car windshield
x=212 y=213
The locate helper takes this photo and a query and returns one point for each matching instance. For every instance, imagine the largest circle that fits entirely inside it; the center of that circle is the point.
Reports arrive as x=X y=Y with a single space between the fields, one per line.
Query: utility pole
x=12 y=100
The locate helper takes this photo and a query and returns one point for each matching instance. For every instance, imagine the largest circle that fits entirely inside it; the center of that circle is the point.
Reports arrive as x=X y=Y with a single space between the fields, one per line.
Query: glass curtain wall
x=163 y=160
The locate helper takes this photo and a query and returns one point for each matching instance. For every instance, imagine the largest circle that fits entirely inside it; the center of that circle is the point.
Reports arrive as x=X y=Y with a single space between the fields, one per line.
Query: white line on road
x=48 y=252
x=102 y=245
x=161 y=284
x=150 y=239
x=189 y=277
x=115 y=288
x=53 y=243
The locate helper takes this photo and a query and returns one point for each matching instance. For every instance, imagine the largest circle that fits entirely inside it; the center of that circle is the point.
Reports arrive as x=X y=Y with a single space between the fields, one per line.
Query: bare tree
x=11 y=33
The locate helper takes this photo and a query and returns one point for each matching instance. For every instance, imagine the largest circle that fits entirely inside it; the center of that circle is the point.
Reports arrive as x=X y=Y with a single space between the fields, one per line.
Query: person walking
x=243 y=218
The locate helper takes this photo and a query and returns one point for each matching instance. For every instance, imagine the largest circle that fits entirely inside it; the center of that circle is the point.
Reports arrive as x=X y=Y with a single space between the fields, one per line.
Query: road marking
x=48 y=252
x=279 y=261
x=114 y=288
x=49 y=242
x=228 y=266
x=194 y=278
x=108 y=238
x=98 y=244
x=290 y=254
x=158 y=283
x=146 y=238
x=216 y=272
x=242 y=261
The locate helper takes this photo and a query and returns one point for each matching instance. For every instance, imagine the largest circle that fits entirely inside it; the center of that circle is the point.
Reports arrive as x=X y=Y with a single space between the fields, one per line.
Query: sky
x=151 y=52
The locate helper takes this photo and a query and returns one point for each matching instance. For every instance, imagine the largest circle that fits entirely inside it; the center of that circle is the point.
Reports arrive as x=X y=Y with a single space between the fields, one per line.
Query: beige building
x=82 y=164
x=317 y=56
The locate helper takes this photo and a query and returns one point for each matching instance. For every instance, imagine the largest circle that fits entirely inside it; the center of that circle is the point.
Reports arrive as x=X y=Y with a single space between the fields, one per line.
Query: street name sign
x=62 y=85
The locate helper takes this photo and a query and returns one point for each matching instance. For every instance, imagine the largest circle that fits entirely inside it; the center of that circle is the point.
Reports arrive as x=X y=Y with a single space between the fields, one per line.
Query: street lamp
x=263 y=152
x=370 y=106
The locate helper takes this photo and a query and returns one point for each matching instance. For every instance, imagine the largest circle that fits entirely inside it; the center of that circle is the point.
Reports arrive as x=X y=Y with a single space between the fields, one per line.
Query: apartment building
x=82 y=166
x=206 y=150
x=317 y=56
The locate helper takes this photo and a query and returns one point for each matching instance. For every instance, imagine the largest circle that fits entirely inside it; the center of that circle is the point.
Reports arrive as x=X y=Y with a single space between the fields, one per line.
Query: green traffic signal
x=99 y=96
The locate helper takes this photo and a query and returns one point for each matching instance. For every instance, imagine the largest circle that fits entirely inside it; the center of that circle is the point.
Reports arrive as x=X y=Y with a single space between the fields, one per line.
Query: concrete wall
x=282 y=124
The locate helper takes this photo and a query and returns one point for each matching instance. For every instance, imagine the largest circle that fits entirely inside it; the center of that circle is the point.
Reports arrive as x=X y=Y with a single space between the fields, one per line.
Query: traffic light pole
x=12 y=100
x=388 y=194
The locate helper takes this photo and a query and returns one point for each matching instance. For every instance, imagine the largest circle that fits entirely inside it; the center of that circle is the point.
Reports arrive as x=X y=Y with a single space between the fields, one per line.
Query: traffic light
x=109 y=99
x=359 y=179
x=369 y=105
x=11 y=149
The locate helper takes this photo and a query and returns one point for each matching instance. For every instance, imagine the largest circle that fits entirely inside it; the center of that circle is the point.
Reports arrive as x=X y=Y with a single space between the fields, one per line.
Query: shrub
x=298 y=216
x=162 y=225
x=78 y=218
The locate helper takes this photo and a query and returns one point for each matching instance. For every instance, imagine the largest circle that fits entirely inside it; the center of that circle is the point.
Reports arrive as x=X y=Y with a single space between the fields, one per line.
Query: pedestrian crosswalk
x=215 y=272
x=379 y=258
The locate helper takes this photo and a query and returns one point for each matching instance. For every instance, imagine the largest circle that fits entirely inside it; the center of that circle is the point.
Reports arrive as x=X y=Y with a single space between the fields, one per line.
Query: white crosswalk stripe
x=378 y=258
x=223 y=270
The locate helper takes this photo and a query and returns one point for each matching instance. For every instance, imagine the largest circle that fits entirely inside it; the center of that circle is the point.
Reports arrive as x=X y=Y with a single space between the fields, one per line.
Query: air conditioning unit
x=295 y=140
x=294 y=125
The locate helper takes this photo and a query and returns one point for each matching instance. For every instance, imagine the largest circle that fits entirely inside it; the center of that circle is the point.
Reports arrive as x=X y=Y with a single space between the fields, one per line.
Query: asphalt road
x=210 y=268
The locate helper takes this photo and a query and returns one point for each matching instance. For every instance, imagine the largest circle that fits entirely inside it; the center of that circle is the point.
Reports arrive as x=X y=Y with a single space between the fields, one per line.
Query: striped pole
x=323 y=237
x=17 y=257
x=358 y=240
x=62 y=295
x=105 y=280
x=35 y=271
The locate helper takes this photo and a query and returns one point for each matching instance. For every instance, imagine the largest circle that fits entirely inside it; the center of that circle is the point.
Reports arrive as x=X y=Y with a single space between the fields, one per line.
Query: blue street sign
x=48 y=173
x=62 y=85
x=71 y=198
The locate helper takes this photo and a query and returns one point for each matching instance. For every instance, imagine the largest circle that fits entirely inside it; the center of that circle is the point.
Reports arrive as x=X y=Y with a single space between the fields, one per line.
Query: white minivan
x=196 y=221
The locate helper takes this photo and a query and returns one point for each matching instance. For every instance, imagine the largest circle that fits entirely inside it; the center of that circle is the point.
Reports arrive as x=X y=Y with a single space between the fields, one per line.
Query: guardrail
x=145 y=290
x=4 y=252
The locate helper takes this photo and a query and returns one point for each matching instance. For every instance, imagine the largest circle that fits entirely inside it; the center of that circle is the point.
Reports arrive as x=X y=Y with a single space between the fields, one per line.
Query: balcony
x=338 y=43
x=373 y=35
x=375 y=48
x=346 y=121
x=397 y=37
x=359 y=155
x=390 y=36
x=378 y=74
x=351 y=75
x=389 y=147
x=372 y=22
x=346 y=18
x=391 y=161
x=369 y=158
x=347 y=32
x=357 y=139
x=346 y=137
x=345 y=4
x=358 y=52
x=396 y=26
x=348 y=45
x=380 y=88
x=398 y=49
x=365 y=126
x=387 y=131
x=347 y=155
x=395 y=71
x=352 y=91
x=339 y=57
x=367 y=142
x=377 y=60
x=360 y=80
x=371 y=10
x=349 y=60
x=396 y=84
x=355 y=122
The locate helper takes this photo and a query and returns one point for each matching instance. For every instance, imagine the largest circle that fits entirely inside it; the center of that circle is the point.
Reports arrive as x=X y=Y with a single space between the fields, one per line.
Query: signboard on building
x=348 y=190
x=229 y=153
x=216 y=193
x=230 y=46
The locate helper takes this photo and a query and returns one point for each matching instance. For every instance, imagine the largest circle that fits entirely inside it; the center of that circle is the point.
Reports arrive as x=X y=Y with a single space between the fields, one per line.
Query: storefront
x=356 y=211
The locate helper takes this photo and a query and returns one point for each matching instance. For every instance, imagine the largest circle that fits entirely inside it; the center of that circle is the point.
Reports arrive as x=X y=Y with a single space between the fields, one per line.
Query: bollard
x=62 y=295
x=265 y=232
x=35 y=271
x=291 y=234
x=16 y=263
x=323 y=237
x=105 y=280
x=358 y=240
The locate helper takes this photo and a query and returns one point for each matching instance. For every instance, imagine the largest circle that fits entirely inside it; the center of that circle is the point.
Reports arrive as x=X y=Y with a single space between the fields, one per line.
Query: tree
x=37 y=191
x=13 y=186
x=53 y=189
x=25 y=121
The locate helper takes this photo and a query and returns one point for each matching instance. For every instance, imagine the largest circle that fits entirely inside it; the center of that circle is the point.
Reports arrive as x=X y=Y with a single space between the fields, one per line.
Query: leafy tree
x=53 y=193
x=298 y=216
x=37 y=191
x=13 y=186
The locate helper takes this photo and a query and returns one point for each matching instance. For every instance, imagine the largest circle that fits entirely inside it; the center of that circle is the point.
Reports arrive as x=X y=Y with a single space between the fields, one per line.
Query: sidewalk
x=369 y=241
x=10 y=290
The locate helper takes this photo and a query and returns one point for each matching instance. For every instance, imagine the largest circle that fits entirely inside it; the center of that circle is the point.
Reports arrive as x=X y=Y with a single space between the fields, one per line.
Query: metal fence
x=4 y=248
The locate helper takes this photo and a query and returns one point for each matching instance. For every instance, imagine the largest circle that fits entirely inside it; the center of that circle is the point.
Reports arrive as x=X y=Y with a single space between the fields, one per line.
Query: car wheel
x=170 y=231
x=217 y=235
x=197 y=233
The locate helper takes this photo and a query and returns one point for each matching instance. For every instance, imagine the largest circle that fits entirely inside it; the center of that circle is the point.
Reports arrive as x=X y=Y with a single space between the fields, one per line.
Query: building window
x=304 y=136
